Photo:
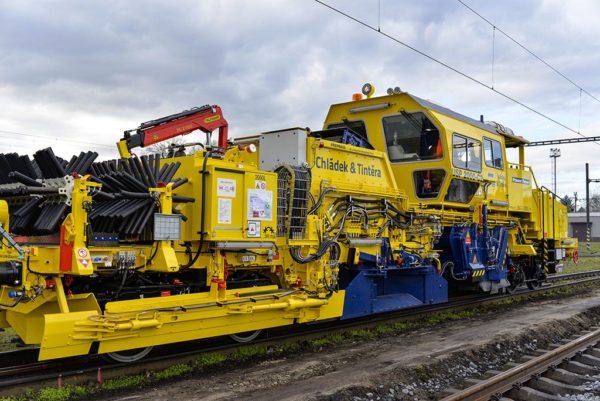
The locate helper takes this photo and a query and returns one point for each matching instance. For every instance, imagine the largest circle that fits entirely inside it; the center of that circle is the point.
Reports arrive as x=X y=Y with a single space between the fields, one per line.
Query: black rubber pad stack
x=123 y=208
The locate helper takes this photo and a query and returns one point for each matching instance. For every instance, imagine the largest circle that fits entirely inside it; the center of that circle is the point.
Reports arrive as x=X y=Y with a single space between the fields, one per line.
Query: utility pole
x=587 y=203
x=554 y=153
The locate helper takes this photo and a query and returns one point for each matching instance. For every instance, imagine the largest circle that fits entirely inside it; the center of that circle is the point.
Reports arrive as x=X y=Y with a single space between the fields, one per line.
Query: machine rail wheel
x=515 y=279
x=511 y=288
x=533 y=284
x=129 y=356
x=245 y=337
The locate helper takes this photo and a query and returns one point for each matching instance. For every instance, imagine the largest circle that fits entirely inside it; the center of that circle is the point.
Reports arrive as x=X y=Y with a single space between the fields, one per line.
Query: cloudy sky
x=75 y=74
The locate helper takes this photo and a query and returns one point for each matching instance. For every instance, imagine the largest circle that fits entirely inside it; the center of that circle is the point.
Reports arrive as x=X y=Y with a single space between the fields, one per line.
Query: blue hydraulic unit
x=478 y=256
x=392 y=280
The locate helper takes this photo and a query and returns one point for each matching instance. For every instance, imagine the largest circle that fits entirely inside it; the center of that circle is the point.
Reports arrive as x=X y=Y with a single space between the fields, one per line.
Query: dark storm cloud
x=90 y=69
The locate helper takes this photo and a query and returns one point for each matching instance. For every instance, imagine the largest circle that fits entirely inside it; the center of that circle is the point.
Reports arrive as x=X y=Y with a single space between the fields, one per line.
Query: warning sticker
x=260 y=204
x=224 y=211
x=253 y=229
x=226 y=187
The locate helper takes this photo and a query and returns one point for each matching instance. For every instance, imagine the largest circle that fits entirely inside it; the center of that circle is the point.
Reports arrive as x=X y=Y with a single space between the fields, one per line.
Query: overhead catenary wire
x=547 y=64
x=96 y=145
x=448 y=66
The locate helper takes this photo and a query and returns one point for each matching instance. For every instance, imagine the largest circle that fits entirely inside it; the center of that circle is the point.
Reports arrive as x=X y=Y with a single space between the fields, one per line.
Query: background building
x=577 y=226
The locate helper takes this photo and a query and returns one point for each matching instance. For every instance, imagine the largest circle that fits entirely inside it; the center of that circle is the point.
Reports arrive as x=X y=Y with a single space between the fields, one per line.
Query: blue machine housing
x=383 y=284
x=477 y=255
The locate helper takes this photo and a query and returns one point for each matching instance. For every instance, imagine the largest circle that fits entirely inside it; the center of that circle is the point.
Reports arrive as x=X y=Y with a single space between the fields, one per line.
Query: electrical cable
x=71 y=140
x=529 y=51
x=443 y=64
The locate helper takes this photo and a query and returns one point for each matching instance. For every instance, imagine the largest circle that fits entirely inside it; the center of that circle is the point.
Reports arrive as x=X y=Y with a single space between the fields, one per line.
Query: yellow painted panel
x=58 y=339
x=27 y=318
x=225 y=204
x=260 y=205
x=520 y=187
x=343 y=165
x=522 y=250
x=198 y=320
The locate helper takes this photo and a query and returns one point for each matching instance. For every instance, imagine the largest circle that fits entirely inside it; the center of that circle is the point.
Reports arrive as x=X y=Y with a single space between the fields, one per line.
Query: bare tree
x=594 y=205
x=177 y=146
x=568 y=202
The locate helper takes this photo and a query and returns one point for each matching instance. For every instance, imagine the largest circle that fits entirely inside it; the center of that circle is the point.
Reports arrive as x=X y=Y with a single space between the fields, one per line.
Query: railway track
x=566 y=369
x=95 y=369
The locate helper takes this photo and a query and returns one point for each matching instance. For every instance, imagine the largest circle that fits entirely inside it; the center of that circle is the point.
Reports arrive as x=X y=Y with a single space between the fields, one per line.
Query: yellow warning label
x=212 y=118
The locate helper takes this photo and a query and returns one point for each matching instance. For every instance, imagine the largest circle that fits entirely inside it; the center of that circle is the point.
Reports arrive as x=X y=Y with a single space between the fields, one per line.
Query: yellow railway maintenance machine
x=393 y=204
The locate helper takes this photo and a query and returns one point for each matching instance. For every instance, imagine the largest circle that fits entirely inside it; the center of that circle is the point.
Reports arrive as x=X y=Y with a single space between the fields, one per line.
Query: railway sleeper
x=588 y=360
x=565 y=376
x=531 y=394
x=580 y=368
x=594 y=351
x=552 y=386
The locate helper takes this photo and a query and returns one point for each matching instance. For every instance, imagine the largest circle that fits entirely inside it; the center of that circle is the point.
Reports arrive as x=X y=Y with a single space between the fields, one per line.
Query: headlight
x=368 y=90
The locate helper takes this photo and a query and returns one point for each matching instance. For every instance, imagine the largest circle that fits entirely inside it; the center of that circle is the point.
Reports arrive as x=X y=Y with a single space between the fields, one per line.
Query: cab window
x=411 y=136
x=466 y=153
x=461 y=191
x=427 y=183
x=493 y=153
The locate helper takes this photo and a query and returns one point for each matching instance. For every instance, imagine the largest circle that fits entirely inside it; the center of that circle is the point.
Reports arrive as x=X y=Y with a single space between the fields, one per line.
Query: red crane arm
x=206 y=118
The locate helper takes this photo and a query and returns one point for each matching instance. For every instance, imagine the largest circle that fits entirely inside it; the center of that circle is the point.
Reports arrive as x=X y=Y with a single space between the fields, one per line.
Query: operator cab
x=445 y=155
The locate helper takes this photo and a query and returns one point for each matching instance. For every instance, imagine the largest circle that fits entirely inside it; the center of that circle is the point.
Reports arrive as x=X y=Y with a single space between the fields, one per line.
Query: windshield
x=411 y=136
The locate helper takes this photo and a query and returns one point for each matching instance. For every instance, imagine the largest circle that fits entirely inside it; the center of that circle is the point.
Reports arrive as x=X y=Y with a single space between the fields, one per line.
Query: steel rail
x=84 y=369
x=505 y=381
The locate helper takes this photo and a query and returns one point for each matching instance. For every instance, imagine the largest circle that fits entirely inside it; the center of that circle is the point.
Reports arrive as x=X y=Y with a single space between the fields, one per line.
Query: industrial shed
x=578 y=224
